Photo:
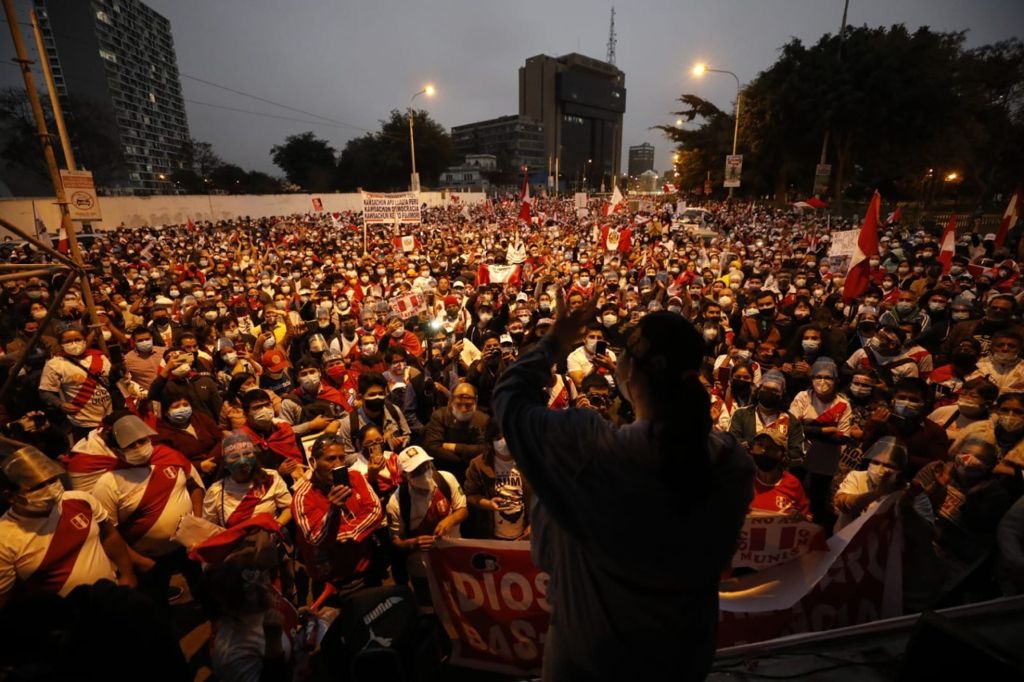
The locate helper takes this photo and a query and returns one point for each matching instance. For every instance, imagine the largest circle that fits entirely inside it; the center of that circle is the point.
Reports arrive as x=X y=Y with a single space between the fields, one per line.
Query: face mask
x=42 y=500
x=368 y=348
x=485 y=317
x=74 y=348
x=270 y=342
x=376 y=404
x=174 y=293
x=501 y=447
x=744 y=355
x=182 y=370
x=970 y=408
x=310 y=383
x=875 y=473
x=462 y=416
x=398 y=333
x=230 y=359
x=907 y=409
x=610 y=320
x=264 y=415
x=810 y=346
x=769 y=400
x=179 y=416
x=969 y=468
x=800 y=282
x=1005 y=358
x=936 y=307
x=765 y=462
x=860 y=391
x=710 y=333
x=423 y=481
x=144 y=346
x=823 y=386
x=960 y=315
x=585 y=281
x=139 y=455
x=38 y=314
x=904 y=307
x=1010 y=423
x=286 y=290
x=590 y=345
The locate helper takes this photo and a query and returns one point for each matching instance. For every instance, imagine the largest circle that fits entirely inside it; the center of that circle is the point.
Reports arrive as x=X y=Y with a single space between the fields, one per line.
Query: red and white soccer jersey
x=56 y=553
x=90 y=458
x=228 y=502
x=785 y=497
x=147 y=502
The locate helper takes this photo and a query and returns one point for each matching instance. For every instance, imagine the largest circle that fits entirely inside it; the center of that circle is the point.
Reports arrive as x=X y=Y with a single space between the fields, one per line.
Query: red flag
x=498 y=274
x=616 y=240
x=617 y=202
x=895 y=216
x=62 y=242
x=859 y=275
x=524 y=195
x=1010 y=218
x=406 y=243
x=947 y=245
x=191 y=226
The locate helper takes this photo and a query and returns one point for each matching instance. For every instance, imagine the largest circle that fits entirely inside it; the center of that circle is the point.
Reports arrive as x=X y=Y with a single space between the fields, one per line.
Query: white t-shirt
x=420 y=500
x=509 y=518
x=224 y=496
x=121 y=491
x=65 y=377
x=24 y=541
x=580 y=361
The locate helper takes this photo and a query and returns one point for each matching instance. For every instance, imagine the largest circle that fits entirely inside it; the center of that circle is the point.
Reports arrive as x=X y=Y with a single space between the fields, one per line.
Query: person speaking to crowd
x=621 y=511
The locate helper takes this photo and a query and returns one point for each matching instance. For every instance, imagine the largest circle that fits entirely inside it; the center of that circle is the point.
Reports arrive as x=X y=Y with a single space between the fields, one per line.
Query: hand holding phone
x=339 y=476
x=602 y=348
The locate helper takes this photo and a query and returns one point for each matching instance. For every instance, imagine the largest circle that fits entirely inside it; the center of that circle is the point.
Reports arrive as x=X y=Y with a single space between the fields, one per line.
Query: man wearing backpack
x=375 y=409
x=427 y=505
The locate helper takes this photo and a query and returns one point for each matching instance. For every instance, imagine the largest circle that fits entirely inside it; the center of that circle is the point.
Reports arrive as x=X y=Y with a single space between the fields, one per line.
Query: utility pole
x=58 y=114
x=824 y=142
x=51 y=164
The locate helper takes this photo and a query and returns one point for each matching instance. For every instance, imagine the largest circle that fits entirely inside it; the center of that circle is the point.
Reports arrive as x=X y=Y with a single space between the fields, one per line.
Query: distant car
x=85 y=241
x=691 y=216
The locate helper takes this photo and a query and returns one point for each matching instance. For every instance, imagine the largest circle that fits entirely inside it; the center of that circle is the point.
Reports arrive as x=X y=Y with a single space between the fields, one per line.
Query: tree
x=700 y=151
x=306 y=161
x=381 y=160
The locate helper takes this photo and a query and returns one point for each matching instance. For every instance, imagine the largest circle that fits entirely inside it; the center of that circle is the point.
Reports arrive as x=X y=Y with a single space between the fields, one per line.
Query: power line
x=260 y=113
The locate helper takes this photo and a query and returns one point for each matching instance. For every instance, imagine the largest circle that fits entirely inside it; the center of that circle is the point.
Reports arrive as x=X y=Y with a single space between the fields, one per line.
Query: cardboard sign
x=396 y=207
x=733 y=170
x=408 y=305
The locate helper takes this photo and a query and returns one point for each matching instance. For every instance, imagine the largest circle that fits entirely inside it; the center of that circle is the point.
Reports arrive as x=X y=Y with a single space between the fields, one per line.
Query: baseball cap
x=412 y=458
x=274 y=360
x=129 y=429
x=451 y=300
x=775 y=435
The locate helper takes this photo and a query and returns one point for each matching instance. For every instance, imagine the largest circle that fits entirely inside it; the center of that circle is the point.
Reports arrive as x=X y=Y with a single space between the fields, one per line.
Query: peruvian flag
x=895 y=216
x=191 y=225
x=524 y=196
x=62 y=240
x=616 y=240
x=406 y=243
x=859 y=275
x=336 y=220
x=498 y=274
x=947 y=246
x=616 y=202
x=1010 y=218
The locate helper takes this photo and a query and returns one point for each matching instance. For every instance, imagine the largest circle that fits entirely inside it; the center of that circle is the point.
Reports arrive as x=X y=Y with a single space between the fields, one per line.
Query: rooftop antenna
x=610 y=58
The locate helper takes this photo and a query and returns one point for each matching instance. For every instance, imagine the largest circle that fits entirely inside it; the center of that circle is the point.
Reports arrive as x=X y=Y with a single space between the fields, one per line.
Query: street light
x=415 y=179
x=698 y=71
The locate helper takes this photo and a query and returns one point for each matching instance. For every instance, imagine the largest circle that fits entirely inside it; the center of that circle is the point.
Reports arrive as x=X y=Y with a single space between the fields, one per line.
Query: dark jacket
x=743 y=428
x=479 y=485
x=467 y=436
x=203 y=445
x=201 y=390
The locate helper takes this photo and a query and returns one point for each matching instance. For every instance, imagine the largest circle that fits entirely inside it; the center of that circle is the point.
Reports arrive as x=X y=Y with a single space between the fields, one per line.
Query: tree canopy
x=903 y=112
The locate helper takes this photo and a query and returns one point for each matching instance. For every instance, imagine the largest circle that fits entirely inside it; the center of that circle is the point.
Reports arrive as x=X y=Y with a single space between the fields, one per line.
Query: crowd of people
x=329 y=412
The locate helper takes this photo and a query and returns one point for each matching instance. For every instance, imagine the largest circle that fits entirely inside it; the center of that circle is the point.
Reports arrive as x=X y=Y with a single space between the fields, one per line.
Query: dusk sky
x=352 y=62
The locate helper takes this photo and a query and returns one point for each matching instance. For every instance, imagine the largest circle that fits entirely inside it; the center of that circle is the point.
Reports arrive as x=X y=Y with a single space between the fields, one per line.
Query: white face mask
x=42 y=500
x=462 y=416
x=590 y=345
x=264 y=415
x=501 y=448
x=73 y=348
x=875 y=473
x=369 y=348
x=230 y=359
x=138 y=456
x=424 y=481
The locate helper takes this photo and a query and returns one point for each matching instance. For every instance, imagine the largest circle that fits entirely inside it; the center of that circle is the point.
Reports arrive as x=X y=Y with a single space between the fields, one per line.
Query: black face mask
x=765 y=462
x=769 y=399
x=964 y=359
x=375 y=404
x=741 y=388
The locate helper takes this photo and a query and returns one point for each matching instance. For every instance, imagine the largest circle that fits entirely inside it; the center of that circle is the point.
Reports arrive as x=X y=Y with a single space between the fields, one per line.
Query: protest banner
x=733 y=170
x=492 y=600
x=579 y=200
x=400 y=207
x=840 y=253
x=768 y=540
x=318 y=205
x=408 y=305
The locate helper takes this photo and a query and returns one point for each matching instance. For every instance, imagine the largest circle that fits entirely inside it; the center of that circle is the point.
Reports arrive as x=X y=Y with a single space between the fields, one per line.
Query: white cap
x=412 y=458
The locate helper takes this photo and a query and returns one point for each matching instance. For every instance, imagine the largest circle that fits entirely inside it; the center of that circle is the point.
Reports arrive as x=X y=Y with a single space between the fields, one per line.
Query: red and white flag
x=406 y=243
x=859 y=275
x=616 y=203
x=1010 y=218
x=895 y=216
x=62 y=241
x=336 y=220
x=498 y=274
x=616 y=240
x=191 y=225
x=524 y=196
x=947 y=245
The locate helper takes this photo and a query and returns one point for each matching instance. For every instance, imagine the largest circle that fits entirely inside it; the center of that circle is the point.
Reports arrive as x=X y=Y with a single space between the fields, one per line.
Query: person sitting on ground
x=246 y=488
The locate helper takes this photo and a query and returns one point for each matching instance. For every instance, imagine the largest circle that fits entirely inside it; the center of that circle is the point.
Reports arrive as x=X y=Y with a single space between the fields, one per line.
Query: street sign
x=80 y=193
x=733 y=170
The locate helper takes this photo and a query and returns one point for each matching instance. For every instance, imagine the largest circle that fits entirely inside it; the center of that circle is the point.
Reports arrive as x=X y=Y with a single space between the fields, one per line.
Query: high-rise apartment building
x=641 y=158
x=516 y=141
x=116 y=73
x=580 y=101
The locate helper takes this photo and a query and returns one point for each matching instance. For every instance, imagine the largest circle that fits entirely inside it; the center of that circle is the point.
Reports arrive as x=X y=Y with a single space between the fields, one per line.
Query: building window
x=109 y=56
x=102 y=16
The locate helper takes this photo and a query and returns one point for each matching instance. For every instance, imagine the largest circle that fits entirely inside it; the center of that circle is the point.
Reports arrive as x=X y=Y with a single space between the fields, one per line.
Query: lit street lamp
x=698 y=71
x=415 y=179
